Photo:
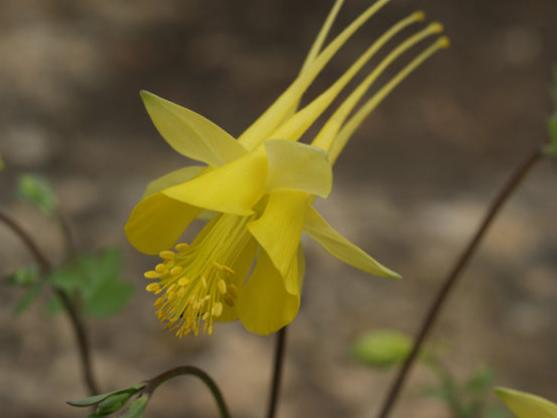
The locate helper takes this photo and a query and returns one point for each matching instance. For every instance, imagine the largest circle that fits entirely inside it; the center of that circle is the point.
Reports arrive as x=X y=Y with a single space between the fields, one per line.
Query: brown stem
x=278 y=363
x=78 y=327
x=155 y=382
x=69 y=239
x=454 y=274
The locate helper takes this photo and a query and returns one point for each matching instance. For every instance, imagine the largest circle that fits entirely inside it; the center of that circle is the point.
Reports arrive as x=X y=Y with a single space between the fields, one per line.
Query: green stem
x=155 y=382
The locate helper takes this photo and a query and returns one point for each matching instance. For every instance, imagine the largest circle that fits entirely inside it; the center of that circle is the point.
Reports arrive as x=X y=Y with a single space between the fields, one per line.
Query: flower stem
x=76 y=322
x=155 y=382
x=280 y=349
x=454 y=274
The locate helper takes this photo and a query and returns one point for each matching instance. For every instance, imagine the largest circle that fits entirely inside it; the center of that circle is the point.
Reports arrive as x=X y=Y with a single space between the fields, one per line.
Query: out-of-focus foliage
x=382 y=348
x=526 y=405
x=37 y=191
x=95 y=280
x=387 y=348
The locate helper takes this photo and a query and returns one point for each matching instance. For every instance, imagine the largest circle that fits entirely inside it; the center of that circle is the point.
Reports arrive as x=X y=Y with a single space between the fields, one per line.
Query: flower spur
x=247 y=262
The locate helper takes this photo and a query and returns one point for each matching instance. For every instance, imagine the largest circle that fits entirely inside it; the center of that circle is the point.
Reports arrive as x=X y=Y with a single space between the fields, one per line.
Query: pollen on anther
x=217 y=309
x=167 y=255
x=161 y=268
x=152 y=274
x=153 y=288
x=184 y=281
x=182 y=247
x=222 y=286
x=176 y=270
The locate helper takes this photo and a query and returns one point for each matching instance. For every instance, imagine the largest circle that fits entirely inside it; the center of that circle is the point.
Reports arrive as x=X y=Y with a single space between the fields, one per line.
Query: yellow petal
x=279 y=229
x=241 y=269
x=172 y=179
x=264 y=304
x=526 y=405
x=297 y=166
x=232 y=188
x=341 y=248
x=157 y=222
x=191 y=134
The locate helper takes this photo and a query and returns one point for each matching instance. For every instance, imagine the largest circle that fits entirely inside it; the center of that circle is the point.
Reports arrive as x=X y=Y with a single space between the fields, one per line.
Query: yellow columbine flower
x=261 y=187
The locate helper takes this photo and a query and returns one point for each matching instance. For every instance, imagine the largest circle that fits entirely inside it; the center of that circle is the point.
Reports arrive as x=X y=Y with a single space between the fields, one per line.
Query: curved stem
x=155 y=382
x=78 y=327
x=454 y=274
x=280 y=349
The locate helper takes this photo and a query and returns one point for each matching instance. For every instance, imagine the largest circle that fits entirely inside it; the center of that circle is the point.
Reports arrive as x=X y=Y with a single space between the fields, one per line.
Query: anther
x=167 y=255
x=217 y=309
x=222 y=286
x=152 y=274
x=184 y=281
x=176 y=270
x=153 y=288
x=181 y=247
x=161 y=268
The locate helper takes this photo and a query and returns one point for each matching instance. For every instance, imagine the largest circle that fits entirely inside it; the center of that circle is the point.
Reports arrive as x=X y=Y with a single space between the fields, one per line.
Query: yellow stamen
x=153 y=288
x=161 y=268
x=196 y=282
x=222 y=287
x=151 y=274
x=181 y=247
x=175 y=271
x=167 y=255
x=217 y=309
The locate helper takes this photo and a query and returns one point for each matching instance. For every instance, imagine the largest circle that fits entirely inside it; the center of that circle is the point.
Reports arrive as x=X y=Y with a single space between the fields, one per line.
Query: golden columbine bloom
x=247 y=262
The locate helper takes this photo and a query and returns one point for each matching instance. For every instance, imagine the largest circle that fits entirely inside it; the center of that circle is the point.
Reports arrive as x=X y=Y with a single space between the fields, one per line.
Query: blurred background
x=410 y=188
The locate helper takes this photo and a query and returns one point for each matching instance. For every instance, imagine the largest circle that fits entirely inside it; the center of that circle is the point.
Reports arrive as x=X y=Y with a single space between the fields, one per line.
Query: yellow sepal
x=232 y=188
x=339 y=247
x=297 y=166
x=279 y=229
x=191 y=134
x=157 y=222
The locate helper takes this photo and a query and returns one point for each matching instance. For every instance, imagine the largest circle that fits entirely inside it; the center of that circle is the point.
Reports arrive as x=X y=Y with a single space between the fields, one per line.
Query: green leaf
x=37 y=191
x=96 y=399
x=382 y=348
x=25 y=276
x=113 y=403
x=526 y=405
x=136 y=408
x=109 y=298
x=28 y=298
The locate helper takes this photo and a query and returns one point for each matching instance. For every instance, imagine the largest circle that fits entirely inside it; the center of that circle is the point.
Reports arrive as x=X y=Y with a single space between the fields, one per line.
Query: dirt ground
x=410 y=188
